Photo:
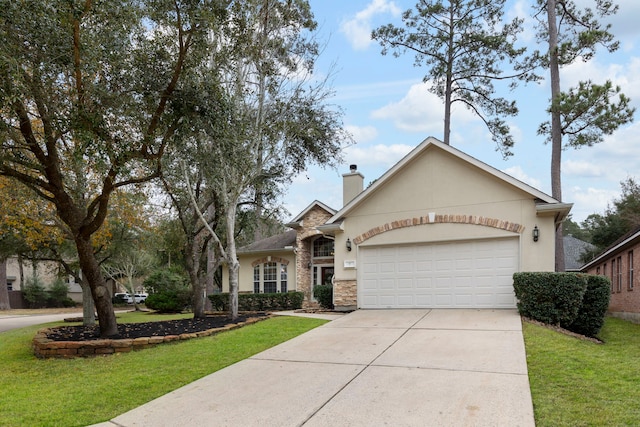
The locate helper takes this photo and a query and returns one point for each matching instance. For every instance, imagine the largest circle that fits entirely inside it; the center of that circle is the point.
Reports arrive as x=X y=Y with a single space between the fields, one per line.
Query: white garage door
x=439 y=275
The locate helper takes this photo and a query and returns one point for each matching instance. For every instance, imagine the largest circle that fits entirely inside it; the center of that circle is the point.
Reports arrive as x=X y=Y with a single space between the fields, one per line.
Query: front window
x=283 y=278
x=270 y=277
x=322 y=247
x=256 y=279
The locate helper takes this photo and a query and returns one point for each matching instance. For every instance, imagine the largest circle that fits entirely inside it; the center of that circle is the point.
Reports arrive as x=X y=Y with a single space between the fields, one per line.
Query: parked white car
x=126 y=297
x=140 y=298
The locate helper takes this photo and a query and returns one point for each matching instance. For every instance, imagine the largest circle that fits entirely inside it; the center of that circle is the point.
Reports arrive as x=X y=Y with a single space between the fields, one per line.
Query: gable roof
x=545 y=204
x=631 y=238
x=282 y=241
x=296 y=222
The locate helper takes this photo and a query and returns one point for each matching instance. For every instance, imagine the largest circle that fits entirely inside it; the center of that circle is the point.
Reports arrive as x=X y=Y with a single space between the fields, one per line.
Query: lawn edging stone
x=46 y=348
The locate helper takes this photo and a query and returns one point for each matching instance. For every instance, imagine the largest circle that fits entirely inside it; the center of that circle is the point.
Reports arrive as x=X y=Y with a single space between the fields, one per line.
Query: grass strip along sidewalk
x=80 y=392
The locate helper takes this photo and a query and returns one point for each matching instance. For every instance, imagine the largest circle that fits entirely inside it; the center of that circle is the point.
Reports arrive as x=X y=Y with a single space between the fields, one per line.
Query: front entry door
x=322 y=275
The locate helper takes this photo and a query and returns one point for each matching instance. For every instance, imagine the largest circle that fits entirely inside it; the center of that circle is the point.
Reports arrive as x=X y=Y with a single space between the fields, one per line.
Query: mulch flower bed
x=85 y=341
x=147 y=329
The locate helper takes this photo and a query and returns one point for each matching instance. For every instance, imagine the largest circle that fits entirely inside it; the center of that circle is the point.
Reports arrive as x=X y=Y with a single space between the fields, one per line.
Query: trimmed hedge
x=553 y=298
x=577 y=302
x=594 y=307
x=259 y=302
x=324 y=295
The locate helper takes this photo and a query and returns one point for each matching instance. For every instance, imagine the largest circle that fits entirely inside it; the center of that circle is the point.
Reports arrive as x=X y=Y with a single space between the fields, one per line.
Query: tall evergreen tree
x=464 y=44
x=584 y=114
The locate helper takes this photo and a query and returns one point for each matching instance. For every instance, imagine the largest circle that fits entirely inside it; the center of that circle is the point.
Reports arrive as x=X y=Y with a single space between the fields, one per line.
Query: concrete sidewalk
x=367 y=368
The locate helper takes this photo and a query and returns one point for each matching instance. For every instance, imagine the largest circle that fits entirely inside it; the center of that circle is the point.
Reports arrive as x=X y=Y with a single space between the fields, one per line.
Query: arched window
x=323 y=247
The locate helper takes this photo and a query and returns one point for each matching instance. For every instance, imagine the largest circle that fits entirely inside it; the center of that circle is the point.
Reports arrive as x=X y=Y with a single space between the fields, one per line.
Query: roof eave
x=472 y=160
x=558 y=210
x=610 y=251
x=331 y=228
x=266 y=251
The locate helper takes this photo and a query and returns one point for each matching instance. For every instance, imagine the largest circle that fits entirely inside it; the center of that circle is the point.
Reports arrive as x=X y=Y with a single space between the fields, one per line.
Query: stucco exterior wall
x=45 y=270
x=467 y=203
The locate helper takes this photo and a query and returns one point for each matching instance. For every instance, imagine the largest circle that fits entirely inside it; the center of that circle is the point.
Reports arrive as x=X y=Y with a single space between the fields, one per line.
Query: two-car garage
x=458 y=274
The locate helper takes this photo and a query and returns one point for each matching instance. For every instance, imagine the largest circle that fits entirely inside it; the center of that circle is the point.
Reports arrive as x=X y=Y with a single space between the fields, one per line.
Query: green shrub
x=591 y=316
x=324 y=295
x=259 y=302
x=553 y=298
x=167 y=302
x=219 y=302
x=34 y=293
x=169 y=292
x=57 y=295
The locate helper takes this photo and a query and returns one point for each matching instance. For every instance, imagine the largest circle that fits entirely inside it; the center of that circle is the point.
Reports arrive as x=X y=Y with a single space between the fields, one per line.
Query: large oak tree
x=86 y=89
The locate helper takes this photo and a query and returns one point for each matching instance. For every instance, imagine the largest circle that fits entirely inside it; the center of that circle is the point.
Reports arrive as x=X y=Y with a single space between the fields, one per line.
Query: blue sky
x=389 y=111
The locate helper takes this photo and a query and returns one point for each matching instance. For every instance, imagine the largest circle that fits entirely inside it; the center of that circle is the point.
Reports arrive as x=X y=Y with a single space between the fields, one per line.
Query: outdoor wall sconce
x=536 y=233
x=348 y=244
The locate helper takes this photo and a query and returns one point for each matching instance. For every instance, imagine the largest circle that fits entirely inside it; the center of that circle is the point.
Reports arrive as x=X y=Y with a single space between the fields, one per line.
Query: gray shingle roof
x=277 y=242
x=573 y=248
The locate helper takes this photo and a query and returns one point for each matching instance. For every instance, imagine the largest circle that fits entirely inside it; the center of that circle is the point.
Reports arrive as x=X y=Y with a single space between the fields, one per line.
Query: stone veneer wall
x=316 y=216
x=45 y=348
x=345 y=294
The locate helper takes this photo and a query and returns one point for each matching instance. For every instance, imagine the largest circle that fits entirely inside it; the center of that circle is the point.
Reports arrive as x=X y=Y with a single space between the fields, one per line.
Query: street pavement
x=15 y=321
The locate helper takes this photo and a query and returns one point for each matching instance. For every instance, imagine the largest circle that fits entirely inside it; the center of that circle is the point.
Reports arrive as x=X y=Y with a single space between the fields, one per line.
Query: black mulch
x=147 y=329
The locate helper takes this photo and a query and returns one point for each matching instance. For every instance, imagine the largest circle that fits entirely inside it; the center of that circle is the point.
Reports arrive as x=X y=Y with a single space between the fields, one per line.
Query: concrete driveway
x=367 y=368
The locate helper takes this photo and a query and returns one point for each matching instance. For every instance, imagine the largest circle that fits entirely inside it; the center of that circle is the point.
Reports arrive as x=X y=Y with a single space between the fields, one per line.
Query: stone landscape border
x=45 y=348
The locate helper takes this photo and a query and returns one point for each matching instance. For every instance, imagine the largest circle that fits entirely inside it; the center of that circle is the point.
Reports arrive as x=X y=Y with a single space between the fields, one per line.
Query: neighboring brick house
x=440 y=229
x=617 y=263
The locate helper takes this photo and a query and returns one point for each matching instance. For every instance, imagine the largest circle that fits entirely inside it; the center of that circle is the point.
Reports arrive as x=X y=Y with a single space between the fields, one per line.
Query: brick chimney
x=352 y=184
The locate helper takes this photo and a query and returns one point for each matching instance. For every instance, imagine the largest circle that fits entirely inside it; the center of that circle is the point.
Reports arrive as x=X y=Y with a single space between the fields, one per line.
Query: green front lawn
x=79 y=392
x=580 y=383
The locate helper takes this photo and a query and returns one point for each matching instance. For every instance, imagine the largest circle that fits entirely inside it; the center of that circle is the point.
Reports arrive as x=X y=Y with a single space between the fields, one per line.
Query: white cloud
x=519 y=174
x=589 y=200
x=362 y=134
x=358 y=29
x=582 y=169
x=422 y=111
x=618 y=154
x=377 y=156
x=373 y=90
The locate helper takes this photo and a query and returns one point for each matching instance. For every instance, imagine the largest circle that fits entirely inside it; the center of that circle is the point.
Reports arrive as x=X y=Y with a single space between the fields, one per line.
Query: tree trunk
x=234 y=268
x=211 y=271
x=194 y=255
x=88 y=307
x=101 y=295
x=556 y=130
x=232 y=259
x=448 y=89
x=4 y=292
